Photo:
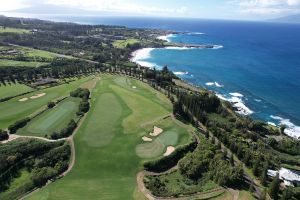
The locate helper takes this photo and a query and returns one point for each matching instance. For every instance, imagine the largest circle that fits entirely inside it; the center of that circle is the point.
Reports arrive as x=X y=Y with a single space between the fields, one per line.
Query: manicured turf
x=13 y=30
x=12 y=89
x=14 y=63
x=14 y=110
x=54 y=119
x=106 y=162
x=123 y=43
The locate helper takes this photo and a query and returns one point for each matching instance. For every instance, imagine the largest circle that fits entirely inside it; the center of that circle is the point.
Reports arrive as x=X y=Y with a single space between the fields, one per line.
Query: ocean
x=255 y=65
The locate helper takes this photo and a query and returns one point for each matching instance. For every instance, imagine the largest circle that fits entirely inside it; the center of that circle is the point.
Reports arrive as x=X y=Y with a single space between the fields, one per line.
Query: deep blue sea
x=258 y=68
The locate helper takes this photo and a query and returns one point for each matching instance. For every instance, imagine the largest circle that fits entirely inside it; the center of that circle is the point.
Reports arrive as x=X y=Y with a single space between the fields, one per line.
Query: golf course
x=108 y=145
x=25 y=105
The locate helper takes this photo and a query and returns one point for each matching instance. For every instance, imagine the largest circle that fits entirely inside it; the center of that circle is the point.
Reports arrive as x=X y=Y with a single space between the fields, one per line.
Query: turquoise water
x=259 y=63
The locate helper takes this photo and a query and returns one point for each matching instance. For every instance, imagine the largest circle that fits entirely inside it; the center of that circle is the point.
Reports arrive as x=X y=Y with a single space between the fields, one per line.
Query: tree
x=264 y=175
x=274 y=187
x=287 y=194
x=3 y=135
x=51 y=104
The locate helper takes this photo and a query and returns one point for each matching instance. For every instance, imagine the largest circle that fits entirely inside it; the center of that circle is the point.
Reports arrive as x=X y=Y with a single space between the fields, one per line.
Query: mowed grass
x=13 y=30
x=106 y=162
x=53 y=120
x=11 y=89
x=14 y=109
x=15 y=63
x=123 y=43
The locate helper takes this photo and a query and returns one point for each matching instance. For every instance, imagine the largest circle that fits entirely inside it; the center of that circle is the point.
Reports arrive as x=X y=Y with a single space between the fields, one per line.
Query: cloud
x=13 y=5
x=125 y=6
x=268 y=7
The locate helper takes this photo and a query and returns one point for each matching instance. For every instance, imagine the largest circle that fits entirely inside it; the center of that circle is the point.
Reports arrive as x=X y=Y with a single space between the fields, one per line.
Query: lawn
x=53 y=120
x=13 y=30
x=14 y=109
x=106 y=161
x=15 y=63
x=9 y=90
x=123 y=43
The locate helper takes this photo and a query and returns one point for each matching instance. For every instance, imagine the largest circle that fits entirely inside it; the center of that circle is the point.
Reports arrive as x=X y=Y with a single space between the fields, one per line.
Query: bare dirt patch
x=37 y=96
x=170 y=149
x=23 y=99
x=146 y=139
x=156 y=131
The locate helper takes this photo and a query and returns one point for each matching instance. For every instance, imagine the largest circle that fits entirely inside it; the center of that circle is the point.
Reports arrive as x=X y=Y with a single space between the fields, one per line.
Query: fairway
x=54 y=119
x=15 y=63
x=106 y=161
x=12 y=89
x=13 y=109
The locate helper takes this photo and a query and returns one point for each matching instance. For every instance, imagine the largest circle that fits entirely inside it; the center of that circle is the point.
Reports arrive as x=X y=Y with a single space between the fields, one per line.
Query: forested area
x=43 y=160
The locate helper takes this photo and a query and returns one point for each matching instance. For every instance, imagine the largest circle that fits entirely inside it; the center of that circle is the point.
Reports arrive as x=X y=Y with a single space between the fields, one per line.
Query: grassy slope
x=9 y=90
x=106 y=162
x=123 y=43
x=52 y=120
x=13 y=30
x=15 y=63
x=14 y=110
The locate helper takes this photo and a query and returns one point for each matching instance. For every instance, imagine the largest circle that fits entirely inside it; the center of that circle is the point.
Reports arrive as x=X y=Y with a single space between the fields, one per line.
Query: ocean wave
x=271 y=123
x=166 y=37
x=179 y=48
x=214 y=84
x=181 y=73
x=291 y=129
x=218 y=46
x=195 y=33
x=139 y=56
x=236 y=94
x=238 y=103
x=258 y=100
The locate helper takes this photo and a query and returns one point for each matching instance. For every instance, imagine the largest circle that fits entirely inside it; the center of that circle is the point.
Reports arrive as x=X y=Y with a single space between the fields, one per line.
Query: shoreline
x=236 y=99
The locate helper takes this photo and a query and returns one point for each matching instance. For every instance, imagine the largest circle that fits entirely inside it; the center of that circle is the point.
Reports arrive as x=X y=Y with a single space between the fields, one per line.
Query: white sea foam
x=139 y=55
x=287 y=175
x=180 y=48
x=238 y=103
x=236 y=94
x=218 y=85
x=214 y=84
x=195 y=33
x=181 y=73
x=271 y=123
x=218 y=46
x=258 y=100
x=210 y=83
x=166 y=37
x=291 y=129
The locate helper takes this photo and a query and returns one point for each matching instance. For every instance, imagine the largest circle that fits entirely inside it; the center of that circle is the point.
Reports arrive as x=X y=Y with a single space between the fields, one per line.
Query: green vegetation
x=101 y=141
x=16 y=63
x=4 y=29
x=9 y=90
x=30 y=163
x=14 y=109
x=126 y=43
x=53 y=120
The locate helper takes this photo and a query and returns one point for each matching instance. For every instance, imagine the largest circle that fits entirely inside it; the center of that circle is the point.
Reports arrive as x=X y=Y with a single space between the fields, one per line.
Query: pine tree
x=274 y=187
x=287 y=194
x=264 y=175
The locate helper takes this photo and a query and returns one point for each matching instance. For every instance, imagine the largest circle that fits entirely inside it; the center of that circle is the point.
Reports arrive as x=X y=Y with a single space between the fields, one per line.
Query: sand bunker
x=146 y=139
x=156 y=131
x=38 y=96
x=134 y=87
x=170 y=149
x=23 y=99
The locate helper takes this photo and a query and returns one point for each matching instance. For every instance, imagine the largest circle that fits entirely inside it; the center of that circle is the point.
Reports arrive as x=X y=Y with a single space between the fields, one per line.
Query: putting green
x=14 y=109
x=52 y=120
x=158 y=146
x=106 y=161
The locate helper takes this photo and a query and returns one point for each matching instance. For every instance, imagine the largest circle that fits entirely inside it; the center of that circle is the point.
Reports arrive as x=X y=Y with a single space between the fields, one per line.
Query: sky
x=213 y=9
